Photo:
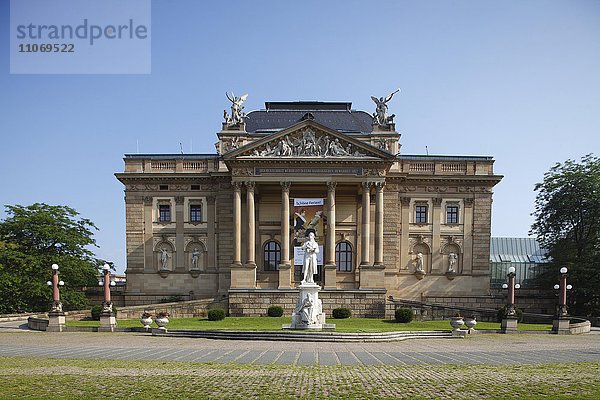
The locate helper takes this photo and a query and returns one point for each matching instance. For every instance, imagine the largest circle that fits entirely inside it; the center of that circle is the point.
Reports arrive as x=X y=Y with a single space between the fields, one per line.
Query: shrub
x=502 y=313
x=341 y=313
x=97 y=310
x=404 y=315
x=216 y=314
x=275 y=311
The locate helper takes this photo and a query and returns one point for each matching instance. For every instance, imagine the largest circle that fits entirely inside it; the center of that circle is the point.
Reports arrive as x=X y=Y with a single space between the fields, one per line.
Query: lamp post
x=108 y=320
x=509 y=320
x=560 y=323
x=56 y=316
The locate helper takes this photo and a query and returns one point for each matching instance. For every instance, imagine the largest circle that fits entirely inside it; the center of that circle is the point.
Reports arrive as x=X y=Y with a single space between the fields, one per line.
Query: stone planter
x=456 y=323
x=146 y=322
x=470 y=322
x=162 y=322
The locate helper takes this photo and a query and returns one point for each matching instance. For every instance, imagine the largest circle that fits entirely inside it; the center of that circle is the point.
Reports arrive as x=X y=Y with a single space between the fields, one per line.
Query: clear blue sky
x=517 y=80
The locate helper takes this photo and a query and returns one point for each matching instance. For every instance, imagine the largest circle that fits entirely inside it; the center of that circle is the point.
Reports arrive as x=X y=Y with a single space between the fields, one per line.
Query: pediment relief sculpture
x=307 y=143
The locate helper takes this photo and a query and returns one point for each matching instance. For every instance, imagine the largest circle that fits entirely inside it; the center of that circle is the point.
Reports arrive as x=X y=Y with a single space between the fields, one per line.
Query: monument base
x=308 y=314
x=56 y=321
x=108 y=322
x=509 y=325
x=560 y=325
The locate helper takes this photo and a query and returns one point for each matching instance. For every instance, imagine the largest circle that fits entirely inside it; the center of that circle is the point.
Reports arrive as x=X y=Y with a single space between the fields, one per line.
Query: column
x=149 y=257
x=436 y=254
x=179 y=259
x=237 y=223
x=405 y=237
x=379 y=223
x=285 y=267
x=329 y=267
x=251 y=231
x=468 y=237
x=366 y=223
x=210 y=242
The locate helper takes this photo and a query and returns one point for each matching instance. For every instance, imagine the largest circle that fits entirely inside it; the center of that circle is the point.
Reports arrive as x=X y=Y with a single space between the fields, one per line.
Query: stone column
x=251 y=231
x=436 y=254
x=468 y=237
x=329 y=267
x=237 y=223
x=210 y=242
x=405 y=237
x=366 y=223
x=179 y=260
x=285 y=267
x=147 y=232
x=379 y=223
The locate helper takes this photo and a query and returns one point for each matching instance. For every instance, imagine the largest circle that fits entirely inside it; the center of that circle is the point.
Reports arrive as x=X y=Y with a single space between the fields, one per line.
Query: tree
x=567 y=223
x=32 y=238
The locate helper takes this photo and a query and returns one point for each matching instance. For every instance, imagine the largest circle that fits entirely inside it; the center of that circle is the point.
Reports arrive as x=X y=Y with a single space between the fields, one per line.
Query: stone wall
x=255 y=302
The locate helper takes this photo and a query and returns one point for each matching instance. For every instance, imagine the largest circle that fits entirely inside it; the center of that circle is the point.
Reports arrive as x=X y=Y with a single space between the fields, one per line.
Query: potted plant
x=146 y=319
x=470 y=322
x=456 y=322
x=162 y=319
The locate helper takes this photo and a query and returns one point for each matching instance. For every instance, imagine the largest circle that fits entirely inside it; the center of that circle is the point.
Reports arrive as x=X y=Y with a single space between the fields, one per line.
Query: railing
x=171 y=163
x=454 y=167
x=162 y=165
x=199 y=166
x=446 y=165
x=422 y=167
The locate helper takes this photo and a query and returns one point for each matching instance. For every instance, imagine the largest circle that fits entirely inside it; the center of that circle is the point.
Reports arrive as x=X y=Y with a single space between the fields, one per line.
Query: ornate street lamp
x=108 y=320
x=509 y=320
x=56 y=316
x=560 y=323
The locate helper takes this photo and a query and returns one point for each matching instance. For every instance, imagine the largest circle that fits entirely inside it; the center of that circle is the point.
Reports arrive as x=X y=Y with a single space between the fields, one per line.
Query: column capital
x=469 y=202
x=366 y=185
x=379 y=185
x=237 y=185
x=179 y=200
x=250 y=185
x=405 y=201
x=211 y=199
x=331 y=186
x=148 y=200
x=437 y=201
x=285 y=186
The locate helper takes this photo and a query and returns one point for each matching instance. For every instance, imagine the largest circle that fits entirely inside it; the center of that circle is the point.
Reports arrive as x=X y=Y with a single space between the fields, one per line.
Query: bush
x=502 y=313
x=404 y=315
x=97 y=310
x=275 y=311
x=341 y=313
x=216 y=314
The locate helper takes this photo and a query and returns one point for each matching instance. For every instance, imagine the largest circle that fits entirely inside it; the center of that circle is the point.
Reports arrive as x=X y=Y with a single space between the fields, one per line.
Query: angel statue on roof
x=237 y=113
x=380 y=115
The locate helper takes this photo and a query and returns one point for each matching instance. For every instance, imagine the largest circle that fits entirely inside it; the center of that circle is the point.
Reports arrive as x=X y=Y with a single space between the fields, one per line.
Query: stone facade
x=198 y=225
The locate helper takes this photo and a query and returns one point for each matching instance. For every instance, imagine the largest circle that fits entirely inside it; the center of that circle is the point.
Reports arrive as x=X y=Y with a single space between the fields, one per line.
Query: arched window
x=272 y=255
x=343 y=256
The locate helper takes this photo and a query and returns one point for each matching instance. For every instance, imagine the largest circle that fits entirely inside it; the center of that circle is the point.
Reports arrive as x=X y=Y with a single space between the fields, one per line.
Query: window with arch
x=343 y=256
x=272 y=255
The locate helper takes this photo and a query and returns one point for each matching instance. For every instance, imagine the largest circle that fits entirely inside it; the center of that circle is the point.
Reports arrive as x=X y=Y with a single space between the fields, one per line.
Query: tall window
x=195 y=213
x=272 y=255
x=343 y=256
x=452 y=214
x=421 y=214
x=164 y=213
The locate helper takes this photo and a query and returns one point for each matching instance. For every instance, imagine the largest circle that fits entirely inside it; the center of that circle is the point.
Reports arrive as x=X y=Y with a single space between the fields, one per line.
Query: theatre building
x=231 y=224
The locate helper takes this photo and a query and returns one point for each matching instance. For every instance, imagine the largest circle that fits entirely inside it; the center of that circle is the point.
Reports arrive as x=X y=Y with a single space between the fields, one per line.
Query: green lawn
x=274 y=324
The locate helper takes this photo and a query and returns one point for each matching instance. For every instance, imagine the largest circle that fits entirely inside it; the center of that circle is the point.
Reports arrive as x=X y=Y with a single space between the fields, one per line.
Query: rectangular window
x=164 y=213
x=195 y=213
x=452 y=214
x=421 y=214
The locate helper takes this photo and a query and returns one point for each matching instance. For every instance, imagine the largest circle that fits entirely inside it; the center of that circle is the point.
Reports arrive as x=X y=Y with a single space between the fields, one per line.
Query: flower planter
x=162 y=322
x=456 y=323
x=470 y=322
x=146 y=321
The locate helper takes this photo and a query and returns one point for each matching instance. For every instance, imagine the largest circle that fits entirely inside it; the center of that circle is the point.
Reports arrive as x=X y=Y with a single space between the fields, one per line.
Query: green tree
x=567 y=223
x=32 y=238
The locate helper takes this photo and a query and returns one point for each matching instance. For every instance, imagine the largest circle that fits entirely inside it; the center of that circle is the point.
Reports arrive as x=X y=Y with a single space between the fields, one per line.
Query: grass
x=274 y=324
x=98 y=379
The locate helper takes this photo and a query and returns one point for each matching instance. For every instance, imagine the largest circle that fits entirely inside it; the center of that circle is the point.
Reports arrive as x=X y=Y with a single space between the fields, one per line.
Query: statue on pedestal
x=380 y=116
x=237 y=114
x=309 y=269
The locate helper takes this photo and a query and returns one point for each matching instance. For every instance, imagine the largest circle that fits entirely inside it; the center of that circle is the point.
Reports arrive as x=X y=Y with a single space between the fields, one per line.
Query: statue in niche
x=164 y=258
x=419 y=262
x=195 y=257
x=237 y=113
x=311 y=249
x=452 y=258
x=380 y=115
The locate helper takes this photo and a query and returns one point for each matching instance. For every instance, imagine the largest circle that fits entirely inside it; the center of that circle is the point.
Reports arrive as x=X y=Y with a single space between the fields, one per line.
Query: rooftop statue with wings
x=237 y=113
x=380 y=115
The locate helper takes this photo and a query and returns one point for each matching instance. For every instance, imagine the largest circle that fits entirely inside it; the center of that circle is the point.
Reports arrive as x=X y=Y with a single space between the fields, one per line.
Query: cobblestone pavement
x=490 y=349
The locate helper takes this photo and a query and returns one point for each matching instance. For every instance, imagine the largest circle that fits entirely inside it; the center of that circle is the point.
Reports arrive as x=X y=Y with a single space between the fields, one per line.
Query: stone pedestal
x=308 y=313
x=56 y=321
x=508 y=325
x=108 y=322
x=560 y=325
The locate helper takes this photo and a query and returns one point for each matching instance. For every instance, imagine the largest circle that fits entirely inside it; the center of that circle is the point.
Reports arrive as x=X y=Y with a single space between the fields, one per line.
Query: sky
x=516 y=80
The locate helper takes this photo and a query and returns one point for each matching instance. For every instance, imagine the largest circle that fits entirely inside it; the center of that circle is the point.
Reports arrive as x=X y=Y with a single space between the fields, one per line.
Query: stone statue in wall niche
x=452 y=258
x=164 y=258
x=419 y=262
x=195 y=257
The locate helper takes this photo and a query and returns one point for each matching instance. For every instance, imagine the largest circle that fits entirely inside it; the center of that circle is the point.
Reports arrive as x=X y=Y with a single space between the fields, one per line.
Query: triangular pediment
x=308 y=140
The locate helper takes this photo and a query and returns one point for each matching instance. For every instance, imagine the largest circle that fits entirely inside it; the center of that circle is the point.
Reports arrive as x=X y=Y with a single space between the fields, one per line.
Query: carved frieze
x=243 y=172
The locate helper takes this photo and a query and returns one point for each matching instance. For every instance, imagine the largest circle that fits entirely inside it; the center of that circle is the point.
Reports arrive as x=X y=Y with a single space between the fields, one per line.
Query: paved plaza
x=491 y=349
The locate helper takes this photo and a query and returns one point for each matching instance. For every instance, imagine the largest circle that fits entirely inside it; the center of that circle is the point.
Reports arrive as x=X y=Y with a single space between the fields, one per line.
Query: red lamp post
x=55 y=283
x=561 y=321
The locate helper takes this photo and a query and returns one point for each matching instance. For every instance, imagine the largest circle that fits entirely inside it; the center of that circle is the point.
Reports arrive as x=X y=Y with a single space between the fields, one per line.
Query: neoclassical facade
x=226 y=224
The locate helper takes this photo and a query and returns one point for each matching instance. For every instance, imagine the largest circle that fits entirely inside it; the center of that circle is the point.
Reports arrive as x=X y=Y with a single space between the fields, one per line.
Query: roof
x=335 y=115
x=522 y=250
